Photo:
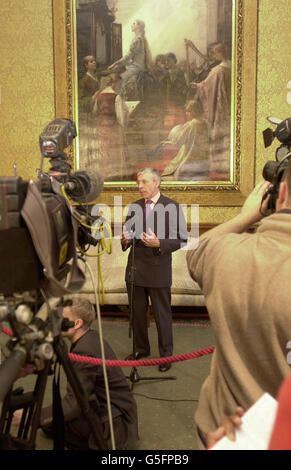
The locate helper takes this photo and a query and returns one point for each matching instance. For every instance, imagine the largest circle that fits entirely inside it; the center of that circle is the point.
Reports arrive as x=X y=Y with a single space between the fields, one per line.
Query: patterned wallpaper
x=27 y=82
x=274 y=72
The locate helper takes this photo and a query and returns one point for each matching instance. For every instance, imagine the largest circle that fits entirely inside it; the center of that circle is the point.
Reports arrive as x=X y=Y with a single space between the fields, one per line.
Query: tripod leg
x=39 y=392
x=134 y=377
x=31 y=403
x=91 y=417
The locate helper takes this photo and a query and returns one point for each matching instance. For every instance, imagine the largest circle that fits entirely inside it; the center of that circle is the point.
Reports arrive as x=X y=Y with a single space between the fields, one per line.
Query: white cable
x=102 y=354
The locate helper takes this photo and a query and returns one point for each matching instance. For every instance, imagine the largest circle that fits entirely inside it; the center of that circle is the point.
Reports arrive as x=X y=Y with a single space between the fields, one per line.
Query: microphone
x=84 y=186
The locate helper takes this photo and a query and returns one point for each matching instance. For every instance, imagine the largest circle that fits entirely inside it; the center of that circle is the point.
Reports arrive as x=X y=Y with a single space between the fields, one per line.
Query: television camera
x=42 y=224
x=273 y=170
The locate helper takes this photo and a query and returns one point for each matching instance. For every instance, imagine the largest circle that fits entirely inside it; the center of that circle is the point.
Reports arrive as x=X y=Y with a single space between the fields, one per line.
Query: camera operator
x=245 y=278
x=85 y=341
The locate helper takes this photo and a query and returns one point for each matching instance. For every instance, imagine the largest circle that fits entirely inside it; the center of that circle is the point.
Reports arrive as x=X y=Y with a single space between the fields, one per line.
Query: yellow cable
x=106 y=248
x=100 y=228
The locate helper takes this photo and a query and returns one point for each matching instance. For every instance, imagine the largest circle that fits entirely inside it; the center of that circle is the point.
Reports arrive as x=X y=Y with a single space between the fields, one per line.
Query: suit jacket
x=92 y=380
x=152 y=267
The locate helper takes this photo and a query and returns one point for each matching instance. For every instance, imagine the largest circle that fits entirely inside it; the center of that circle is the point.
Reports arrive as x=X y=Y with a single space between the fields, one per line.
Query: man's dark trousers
x=161 y=306
x=149 y=270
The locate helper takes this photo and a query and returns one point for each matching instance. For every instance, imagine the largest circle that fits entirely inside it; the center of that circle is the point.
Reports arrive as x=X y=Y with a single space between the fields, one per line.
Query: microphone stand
x=134 y=376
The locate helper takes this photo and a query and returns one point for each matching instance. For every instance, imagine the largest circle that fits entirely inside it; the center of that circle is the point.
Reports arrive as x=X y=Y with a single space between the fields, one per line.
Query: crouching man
x=85 y=342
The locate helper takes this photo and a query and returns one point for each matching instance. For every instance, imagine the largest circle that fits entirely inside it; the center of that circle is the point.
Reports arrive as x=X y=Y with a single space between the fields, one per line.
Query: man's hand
x=251 y=212
x=150 y=240
x=227 y=428
x=253 y=207
x=125 y=238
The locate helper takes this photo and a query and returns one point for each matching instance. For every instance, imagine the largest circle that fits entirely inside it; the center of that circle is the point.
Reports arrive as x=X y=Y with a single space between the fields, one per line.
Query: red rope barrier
x=7 y=331
x=145 y=362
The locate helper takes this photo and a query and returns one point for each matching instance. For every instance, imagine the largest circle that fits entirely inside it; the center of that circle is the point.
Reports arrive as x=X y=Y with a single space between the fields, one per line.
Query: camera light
x=49 y=148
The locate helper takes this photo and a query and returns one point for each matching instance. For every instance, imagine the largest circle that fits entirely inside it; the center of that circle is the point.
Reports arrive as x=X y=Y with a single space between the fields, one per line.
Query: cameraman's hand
x=227 y=428
x=251 y=212
x=253 y=208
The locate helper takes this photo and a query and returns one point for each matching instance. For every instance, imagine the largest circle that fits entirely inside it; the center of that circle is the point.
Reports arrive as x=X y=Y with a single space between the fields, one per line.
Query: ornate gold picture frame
x=224 y=192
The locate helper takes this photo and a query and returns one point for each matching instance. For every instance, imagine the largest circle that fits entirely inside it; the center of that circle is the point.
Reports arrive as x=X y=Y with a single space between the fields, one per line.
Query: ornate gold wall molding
x=229 y=194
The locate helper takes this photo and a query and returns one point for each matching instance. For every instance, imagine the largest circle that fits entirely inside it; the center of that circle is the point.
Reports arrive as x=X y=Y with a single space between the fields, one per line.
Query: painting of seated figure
x=156 y=67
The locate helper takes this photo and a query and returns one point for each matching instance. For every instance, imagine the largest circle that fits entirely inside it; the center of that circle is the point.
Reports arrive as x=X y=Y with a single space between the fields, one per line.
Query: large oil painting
x=155 y=88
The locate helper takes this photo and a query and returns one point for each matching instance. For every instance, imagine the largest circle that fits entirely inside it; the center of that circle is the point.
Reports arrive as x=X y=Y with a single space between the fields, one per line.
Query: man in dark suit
x=155 y=227
x=85 y=342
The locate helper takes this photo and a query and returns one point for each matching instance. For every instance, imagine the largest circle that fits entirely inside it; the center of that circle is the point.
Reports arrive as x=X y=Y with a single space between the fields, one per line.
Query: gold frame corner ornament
x=210 y=194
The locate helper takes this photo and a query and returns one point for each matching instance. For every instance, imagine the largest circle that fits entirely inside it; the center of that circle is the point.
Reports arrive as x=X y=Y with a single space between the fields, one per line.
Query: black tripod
x=134 y=376
x=31 y=403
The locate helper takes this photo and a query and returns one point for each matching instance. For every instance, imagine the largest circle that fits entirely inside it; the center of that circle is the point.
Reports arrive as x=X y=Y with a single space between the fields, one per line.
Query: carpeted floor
x=165 y=407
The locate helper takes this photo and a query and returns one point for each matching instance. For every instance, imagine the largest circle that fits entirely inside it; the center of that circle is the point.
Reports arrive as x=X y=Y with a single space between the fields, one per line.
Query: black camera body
x=273 y=170
x=42 y=223
x=39 y=229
